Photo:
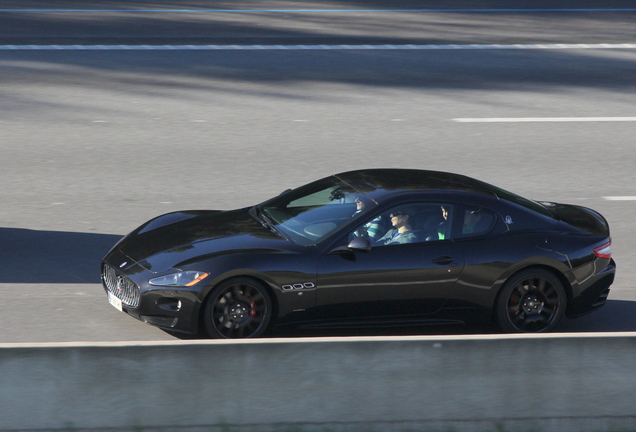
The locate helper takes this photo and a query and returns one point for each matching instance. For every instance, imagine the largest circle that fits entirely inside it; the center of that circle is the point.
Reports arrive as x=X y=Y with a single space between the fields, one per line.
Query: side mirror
x=361 y=244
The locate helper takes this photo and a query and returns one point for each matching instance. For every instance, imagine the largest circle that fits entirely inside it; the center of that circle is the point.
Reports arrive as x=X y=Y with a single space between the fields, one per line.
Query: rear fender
x=558 y=268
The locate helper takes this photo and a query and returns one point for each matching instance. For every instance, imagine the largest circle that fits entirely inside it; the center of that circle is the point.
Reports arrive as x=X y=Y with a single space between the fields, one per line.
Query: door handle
x=443 y=260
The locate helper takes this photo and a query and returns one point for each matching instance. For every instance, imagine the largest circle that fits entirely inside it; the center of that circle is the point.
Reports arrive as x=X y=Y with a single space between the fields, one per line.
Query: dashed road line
x=544 y=119
x=620 y=198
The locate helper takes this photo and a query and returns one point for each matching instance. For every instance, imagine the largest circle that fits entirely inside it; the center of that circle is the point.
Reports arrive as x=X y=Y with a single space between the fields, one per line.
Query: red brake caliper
x=252 y=309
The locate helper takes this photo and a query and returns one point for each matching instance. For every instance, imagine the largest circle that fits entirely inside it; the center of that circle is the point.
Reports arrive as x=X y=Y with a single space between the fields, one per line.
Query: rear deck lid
x=580 y=217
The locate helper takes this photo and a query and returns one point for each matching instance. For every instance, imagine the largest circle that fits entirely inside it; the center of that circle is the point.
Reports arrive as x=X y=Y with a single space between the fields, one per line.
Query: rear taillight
x=604 y=250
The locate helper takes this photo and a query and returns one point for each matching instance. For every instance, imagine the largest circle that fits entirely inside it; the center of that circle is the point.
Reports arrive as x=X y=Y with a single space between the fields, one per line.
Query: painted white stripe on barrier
x=315 y=47
x=314 y=340
x=544 y=119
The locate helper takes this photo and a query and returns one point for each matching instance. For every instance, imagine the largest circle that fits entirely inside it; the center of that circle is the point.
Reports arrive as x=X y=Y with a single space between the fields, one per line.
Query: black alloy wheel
x=532 y=301
x=237 y=308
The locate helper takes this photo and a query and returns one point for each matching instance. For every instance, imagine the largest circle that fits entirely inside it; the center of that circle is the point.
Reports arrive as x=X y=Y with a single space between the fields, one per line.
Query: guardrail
x=556 y=382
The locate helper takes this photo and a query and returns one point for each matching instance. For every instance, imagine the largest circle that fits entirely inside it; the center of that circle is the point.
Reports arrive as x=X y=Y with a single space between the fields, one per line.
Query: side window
x=410 y=223
x=476 y=221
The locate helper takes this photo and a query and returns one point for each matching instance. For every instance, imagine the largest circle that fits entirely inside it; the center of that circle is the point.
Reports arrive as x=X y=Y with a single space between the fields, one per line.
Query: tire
x=237 y=308
x=531 y=301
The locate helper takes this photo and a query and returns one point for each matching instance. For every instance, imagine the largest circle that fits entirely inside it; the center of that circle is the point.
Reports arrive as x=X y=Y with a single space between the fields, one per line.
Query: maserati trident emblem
x=120 y=283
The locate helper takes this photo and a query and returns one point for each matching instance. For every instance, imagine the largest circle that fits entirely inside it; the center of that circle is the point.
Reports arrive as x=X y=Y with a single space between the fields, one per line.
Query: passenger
x=372 y=229
x=474 y=222
x=401 y=231
x=441 y=227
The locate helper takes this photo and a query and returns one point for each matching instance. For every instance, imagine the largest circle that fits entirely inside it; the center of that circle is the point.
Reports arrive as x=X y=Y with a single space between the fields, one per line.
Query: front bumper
x=170 y=308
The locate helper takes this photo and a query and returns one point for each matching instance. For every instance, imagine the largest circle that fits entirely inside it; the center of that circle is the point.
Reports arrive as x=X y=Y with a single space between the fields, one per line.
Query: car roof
x=379 y=183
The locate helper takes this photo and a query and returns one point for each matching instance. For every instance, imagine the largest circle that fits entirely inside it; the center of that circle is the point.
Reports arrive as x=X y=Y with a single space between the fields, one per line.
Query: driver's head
x=399 y=218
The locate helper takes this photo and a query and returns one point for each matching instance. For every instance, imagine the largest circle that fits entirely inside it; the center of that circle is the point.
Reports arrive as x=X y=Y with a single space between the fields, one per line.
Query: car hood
x=174 y=238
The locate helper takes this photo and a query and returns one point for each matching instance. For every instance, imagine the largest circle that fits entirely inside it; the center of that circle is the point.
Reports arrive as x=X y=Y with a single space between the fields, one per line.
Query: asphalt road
x=95 y=142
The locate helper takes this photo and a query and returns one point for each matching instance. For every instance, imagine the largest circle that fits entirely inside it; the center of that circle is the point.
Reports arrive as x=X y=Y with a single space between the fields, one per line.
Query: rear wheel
x=531 y=301
x=237 y=308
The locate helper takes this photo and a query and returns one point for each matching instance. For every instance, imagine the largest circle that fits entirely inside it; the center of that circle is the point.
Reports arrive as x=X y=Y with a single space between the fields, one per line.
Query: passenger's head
x=444 y=213
x=362 y=202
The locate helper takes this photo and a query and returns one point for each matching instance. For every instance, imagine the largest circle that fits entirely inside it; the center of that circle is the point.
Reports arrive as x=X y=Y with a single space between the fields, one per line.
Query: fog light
x=169 y=304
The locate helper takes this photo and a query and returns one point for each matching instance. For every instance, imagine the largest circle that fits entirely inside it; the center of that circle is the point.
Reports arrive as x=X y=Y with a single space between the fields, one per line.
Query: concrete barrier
x=474 y=383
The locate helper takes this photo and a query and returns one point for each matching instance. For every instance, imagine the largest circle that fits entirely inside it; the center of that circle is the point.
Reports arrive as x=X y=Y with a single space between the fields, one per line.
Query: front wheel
x=532 y=301
x=237 y=308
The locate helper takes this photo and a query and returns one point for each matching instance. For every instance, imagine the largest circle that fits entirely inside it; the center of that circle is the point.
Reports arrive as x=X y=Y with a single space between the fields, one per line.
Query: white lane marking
x=315 y=47
x=543 y=119
x=620 y=198
x=515 y=10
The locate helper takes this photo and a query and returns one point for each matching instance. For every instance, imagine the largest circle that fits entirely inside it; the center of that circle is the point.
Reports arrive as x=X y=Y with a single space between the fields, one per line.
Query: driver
x=401 y=231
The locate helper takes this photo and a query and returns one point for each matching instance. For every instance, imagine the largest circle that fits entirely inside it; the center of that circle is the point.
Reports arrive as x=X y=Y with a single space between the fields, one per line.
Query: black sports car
x=365 y=248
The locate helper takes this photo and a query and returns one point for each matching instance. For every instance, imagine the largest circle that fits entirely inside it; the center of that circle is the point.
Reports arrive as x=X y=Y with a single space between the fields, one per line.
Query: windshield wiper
x=267 y=223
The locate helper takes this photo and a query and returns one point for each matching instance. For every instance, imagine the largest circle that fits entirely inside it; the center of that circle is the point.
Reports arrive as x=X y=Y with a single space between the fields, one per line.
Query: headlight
x=186 y=278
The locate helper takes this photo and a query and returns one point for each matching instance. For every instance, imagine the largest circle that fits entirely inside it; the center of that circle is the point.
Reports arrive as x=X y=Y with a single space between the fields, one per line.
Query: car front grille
x=120 y=286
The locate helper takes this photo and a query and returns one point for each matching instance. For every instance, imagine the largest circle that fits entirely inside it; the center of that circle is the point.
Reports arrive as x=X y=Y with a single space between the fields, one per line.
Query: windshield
x=311 y=213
